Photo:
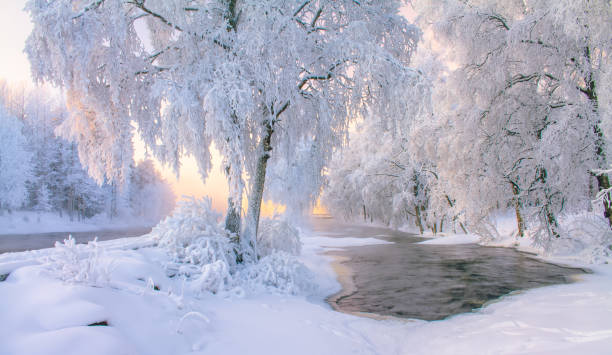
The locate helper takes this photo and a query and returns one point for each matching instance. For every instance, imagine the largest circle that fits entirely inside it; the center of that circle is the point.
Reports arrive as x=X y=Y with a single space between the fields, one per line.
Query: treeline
x=40 y=171
x=514 y=117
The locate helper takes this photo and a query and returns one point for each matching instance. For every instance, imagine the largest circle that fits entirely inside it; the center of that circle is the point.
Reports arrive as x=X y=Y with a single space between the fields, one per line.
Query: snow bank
x=585 y=239
x=28 y=222
x=332 y=242
x=453 y=239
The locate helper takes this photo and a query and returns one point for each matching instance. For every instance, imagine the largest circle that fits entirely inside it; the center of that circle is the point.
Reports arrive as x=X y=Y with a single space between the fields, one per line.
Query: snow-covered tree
x=379 y=177
x=261 y=79
x=519 y=120
x=15 y=162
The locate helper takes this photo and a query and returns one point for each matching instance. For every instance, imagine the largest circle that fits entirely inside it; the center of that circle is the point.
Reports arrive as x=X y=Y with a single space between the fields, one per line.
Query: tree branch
x=141 y=5
x=94 y=5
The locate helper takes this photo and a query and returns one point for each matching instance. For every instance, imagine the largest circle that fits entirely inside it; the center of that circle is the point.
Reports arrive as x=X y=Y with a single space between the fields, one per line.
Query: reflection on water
x=431 y=281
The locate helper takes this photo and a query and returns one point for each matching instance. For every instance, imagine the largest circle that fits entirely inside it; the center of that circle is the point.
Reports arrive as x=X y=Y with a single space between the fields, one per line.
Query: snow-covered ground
x=30 y=222
x=149 y=313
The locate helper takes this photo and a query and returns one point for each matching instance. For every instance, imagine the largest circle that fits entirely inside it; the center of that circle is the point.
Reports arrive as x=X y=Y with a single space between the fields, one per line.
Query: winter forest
x=457 y=125
x=41 y=171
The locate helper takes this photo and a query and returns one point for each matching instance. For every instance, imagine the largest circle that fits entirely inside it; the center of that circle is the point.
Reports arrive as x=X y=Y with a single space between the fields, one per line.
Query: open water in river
x=23 y=242
x=430 y=282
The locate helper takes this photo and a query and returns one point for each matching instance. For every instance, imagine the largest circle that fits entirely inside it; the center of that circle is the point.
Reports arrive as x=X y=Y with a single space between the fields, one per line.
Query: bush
x=279 y=272
x=586 y=237
x=277 y=235
x=76 y=263
x=192 y=235
x=202 y=252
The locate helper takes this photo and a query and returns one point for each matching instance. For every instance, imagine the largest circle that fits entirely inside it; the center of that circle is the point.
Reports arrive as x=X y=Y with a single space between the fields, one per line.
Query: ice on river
x=43 y=315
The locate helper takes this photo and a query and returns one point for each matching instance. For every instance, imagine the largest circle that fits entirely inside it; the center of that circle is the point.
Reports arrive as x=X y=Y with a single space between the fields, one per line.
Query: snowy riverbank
x=148 y=313
x=30 y=222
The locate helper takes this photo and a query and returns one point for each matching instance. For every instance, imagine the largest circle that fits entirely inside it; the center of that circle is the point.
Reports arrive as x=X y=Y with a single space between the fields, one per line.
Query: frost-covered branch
x=94 y=5
x=141 y=5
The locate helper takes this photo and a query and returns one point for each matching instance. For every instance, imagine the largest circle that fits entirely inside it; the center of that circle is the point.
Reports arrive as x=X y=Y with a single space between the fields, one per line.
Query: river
x=23 y=242
x=429 y=282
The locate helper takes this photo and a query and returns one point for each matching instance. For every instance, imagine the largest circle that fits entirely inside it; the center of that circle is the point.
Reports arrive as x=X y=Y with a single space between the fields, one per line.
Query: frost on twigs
x=277 y=235
x=79 y=263
x=586 y=237
x=214 y=277
x=193 y=237
x=203 y=254
x=278 y=272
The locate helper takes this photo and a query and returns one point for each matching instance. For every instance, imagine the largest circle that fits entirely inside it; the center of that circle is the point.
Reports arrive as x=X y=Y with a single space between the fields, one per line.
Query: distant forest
x=40 y=171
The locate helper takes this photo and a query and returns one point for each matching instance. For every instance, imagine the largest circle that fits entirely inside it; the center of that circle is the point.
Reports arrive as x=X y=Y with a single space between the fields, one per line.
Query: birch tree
x=258 y=78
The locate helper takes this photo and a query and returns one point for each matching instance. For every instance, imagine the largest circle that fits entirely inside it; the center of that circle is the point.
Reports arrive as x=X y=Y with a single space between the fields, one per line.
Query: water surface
x=430 y=282
x=23 y=242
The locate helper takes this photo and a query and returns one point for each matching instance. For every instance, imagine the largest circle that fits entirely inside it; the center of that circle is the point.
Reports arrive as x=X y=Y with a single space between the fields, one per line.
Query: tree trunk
x=232 y=219
x=418 y=221
x=517 y=209
x=603 y=180
x=249 y=238
x=233 y=223
x=450 y=203
x=519 y=220
x=603 y=183
x=551 y=220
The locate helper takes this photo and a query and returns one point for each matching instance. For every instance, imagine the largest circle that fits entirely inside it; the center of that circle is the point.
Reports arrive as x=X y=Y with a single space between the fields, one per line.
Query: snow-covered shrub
x=278 y=272
x=214 y=277
x=79 y=263
x=193 y=236
x=193 y=218
x=203 y=253
x=277 y=235
x=586 y=237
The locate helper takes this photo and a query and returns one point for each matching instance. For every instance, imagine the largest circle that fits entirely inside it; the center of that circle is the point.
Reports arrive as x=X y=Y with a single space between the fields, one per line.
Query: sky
x=14 y=29
x=15 y=26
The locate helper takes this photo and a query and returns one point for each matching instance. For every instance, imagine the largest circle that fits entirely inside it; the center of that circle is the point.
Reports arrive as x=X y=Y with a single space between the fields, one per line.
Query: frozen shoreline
x=29 y=222
x=44 y=315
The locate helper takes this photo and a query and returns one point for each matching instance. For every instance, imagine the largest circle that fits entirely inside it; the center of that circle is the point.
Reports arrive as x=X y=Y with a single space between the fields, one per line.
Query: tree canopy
x=254 y=77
